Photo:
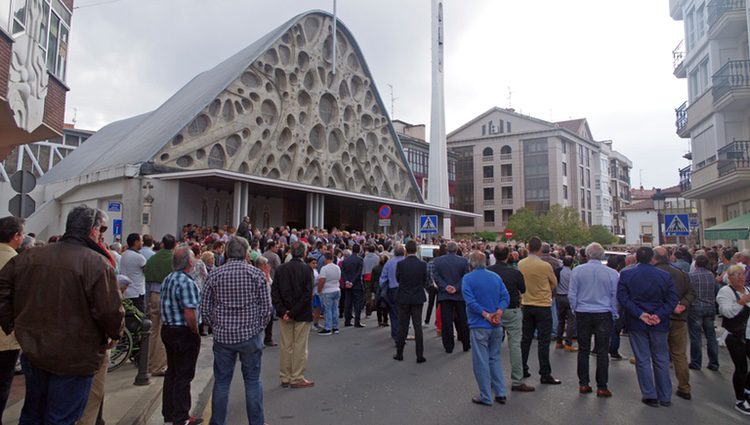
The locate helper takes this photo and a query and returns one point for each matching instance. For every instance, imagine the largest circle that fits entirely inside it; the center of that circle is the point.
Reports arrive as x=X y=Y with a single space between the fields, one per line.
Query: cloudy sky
x=607 y=61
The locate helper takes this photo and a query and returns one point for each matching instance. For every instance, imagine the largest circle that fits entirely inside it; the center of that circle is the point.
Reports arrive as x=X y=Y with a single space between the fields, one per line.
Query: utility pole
x=393 y=102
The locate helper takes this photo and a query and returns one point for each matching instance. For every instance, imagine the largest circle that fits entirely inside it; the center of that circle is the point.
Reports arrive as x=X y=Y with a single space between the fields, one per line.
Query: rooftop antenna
x=75 y=117
x=393 y=102
x=510 y=98
x=640 y=177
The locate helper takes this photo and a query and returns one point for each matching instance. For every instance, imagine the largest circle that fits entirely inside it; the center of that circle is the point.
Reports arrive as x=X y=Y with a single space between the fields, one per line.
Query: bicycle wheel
x=121 y=352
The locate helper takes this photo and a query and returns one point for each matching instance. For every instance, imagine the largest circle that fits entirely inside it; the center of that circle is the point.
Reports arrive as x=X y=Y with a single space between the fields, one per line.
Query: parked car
x=608 y=254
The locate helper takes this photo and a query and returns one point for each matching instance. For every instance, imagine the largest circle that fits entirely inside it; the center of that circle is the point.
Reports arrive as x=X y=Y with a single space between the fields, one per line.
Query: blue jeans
x=488 y=369
x=225 y=357
x=554 y=318
x=651 y=350
x=53 y=399
x=331 y=307
x=702 y=318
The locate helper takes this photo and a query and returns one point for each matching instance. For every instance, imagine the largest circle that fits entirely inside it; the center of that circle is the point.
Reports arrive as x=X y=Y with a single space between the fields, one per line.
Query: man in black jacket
x=291 y=293
x=413 y=279
x=513 y=316
x=354 y=291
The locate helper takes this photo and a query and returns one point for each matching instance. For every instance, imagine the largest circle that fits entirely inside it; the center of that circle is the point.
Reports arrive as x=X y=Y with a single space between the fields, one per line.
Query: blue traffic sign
x=114 y=206
x=117 y=227
x=677 y=225
x=428 y=224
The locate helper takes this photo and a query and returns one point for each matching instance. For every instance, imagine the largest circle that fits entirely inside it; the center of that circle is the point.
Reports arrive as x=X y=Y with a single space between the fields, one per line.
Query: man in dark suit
x=648 y=297
x=449 y=271
x=413 y=279
x=354 y=291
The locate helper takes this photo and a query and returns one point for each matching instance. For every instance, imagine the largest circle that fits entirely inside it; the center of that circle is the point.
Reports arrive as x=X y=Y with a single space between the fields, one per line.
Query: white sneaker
x=743 y=407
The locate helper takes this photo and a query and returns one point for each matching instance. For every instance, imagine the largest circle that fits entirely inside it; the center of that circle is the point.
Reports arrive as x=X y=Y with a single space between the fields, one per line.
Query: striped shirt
x=704 y=284
x=236 y=302
x=178 y=293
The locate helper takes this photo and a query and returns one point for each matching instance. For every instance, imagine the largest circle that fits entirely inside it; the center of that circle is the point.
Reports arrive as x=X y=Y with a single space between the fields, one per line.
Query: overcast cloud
x=607 y=61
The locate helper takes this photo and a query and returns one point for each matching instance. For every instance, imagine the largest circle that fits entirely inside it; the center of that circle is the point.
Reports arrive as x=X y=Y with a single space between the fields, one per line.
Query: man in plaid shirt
x=237 y=305
x=702 y=314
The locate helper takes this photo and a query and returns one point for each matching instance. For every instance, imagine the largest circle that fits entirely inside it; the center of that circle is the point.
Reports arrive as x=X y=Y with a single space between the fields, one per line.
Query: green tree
x=564 y=226
x=602 y=235
x=525 y=223
x=486 y=236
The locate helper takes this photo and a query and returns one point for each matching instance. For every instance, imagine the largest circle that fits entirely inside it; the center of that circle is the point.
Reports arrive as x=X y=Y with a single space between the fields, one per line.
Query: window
x=501 y=127
x=489 y=194
x=700 y=28
x=690 y=33
x=588 y=157
x=583 y=216
x=484 y=130
x=507 y=126
x=583 y=198
x=565 y=192
x=487 y=151
x=588 y=199
x=506 y=150
x=488 y=172
x=489 y=216
x=598 y=203
x=588 y=178
x=564 y=169
x=580 y=175
x=564 y=148
x=598 y=184
x=590 y=221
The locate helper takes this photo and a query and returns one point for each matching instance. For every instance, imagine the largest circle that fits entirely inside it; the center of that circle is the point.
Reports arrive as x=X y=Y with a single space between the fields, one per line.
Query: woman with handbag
x=733 y=301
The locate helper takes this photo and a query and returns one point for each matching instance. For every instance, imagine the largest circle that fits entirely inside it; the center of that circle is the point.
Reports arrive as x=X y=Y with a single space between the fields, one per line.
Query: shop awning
x=735 y=229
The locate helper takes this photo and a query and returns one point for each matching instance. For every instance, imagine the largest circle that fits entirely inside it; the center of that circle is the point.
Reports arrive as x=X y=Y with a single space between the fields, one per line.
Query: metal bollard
x=143 y=377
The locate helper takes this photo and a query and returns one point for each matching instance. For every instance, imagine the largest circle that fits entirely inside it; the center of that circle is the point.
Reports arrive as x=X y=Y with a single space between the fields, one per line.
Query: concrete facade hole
x=361 y=149
x=200 y=154
x=310 y=82
x=248 y=105
x=285 y=164
x=244 y=169
x=335 y=141
x=311 y=27
x=328 y=108
x=250 y=80
x=303 y=60
x=343 y=90
x=356 y=87
x=285 y=138
x=176 y=140
x=255 y=150
x=185 y=161
x=199 y=125
x=233 y=144
x=215 y=108
x=271 y=57
x=227 y=113
x=317 y=137
x=291 y=121
x=216 y=157
x=353 y=62
x=280 y=77
x=284 y=52
x=269 y=112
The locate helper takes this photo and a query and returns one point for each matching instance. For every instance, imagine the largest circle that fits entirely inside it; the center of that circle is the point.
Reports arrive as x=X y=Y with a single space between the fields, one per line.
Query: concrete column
x=245 y=199
x=321 y=210
x=237 y=204
x=310 y=210
x=446 y=227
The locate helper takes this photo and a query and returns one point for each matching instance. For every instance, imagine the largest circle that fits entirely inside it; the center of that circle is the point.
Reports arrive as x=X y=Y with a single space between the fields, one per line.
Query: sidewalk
x=125 y=403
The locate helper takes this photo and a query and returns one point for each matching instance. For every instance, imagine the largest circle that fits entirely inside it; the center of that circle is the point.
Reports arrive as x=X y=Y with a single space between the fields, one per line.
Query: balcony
x=506 y=179
x=731 y=86
x=488 y=202
x=686 y=175
x=489 y=224
x=488 y=180
x=678 y=60
x=726 y=18
x=734 y=156
x=506 y=157
x=488 y=158
x=682 y=119
x=507 y=202
x=625 y=178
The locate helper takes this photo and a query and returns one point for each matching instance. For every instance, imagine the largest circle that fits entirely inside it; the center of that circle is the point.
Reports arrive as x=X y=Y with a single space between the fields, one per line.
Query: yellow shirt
x=540 y=281
x=7 y=342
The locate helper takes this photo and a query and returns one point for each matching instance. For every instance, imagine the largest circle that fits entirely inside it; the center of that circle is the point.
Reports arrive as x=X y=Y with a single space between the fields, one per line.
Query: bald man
x=678 y=329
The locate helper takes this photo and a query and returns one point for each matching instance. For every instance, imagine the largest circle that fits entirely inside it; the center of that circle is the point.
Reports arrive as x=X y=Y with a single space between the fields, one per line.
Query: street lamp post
x=659 y=201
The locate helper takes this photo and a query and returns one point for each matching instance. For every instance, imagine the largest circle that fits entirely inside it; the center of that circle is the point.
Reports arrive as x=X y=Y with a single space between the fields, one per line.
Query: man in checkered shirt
x=237 y=305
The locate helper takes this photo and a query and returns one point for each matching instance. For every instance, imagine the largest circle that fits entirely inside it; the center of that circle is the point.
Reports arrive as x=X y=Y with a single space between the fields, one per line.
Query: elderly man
x=486 y=300
x=537 y=309
x=593 y=299
x=180 y=315
x=238 y=331
x=291 y=293
x=648 y=297
x=678 y=328
x=71 y=282
x=701 y=316
x=449 y=272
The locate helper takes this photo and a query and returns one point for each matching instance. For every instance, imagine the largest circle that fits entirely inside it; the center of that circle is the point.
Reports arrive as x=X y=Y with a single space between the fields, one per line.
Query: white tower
x=437 y=183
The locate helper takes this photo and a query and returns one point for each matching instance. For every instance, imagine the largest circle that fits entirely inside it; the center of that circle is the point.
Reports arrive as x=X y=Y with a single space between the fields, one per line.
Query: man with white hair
x=180 y=299
x=593 y=299
x=745 y=258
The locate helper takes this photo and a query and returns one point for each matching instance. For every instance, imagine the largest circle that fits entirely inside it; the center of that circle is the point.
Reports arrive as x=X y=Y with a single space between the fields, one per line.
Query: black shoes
x=359 y=325
x=523 y=388
x=615 y=356
x=501 y=399
x=683 y=395
x=713 y=368
x=650 y=402
x=477 y=400
x=421 y=360
x=526 y=374
x=399 y=357
x=549 y=380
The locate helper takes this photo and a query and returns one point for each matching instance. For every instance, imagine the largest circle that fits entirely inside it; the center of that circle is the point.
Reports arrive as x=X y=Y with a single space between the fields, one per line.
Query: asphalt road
x=358 y=382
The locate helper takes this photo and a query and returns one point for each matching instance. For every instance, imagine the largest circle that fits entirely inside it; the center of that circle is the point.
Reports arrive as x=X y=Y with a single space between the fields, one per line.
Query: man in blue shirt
x=593 y=299
x=180 y=299
x=389 y=282
x=648 y=296
x=486 y=298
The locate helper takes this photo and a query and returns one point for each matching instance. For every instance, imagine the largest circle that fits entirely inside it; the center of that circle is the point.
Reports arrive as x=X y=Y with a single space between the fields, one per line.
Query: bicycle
x=129 y=345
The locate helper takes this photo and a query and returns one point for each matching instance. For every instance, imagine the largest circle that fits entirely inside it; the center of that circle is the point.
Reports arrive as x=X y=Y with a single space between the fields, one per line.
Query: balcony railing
x=733 y=156
x=717 y=9
x=682 y=117
x=488 y=180
x=507 y=202
x=489 y=223
x=506 y=157
x=489 y=202
x=488 y=158
x=733 y=75
x=678 y=54
x=686 y=176
x=625 y=178
x=506 y=179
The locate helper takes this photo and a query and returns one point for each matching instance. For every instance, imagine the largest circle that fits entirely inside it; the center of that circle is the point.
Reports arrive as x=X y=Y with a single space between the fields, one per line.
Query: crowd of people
x=235 y=283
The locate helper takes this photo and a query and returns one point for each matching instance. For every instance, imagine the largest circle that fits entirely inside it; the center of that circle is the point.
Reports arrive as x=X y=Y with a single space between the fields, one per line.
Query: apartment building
x=34 y=37
x=507 y=161
x=714 y=59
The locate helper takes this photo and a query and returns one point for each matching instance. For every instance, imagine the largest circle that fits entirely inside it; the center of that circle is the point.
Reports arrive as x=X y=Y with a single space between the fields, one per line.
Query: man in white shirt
x=131 y=265
x=330 y=292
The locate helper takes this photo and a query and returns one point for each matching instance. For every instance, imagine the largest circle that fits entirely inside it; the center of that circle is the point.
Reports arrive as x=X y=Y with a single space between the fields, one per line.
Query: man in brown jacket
x=63 y=303
x=678 y=329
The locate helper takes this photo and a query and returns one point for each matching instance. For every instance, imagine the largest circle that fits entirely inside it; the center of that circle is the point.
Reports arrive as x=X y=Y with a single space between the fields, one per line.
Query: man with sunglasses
x=64 y=305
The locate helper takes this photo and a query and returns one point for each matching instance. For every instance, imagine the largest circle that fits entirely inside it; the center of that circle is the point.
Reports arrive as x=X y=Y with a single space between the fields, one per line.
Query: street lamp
x=659 y=199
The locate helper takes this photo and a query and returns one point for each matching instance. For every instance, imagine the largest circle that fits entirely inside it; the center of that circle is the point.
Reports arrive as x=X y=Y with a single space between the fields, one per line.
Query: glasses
x=103 y=229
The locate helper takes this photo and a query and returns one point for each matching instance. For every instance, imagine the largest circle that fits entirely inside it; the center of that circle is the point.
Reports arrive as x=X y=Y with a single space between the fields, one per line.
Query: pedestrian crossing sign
x=428 y=224
x=677 y=225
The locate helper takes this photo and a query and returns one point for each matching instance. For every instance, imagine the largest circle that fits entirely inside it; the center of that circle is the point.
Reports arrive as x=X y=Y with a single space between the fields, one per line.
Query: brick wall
x=54 y=105
x=6 y=47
